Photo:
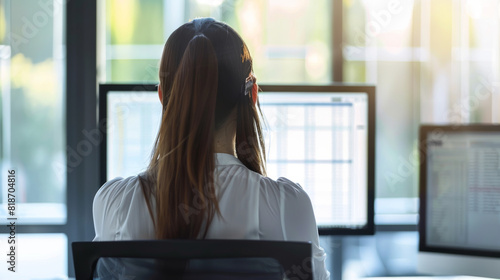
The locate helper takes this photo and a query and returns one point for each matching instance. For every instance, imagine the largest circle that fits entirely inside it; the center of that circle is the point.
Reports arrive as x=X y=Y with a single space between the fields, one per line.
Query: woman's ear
x=160 y=94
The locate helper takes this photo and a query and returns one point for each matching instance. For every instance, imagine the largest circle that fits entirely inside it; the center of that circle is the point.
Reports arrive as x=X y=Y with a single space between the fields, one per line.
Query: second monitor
x=460 y=200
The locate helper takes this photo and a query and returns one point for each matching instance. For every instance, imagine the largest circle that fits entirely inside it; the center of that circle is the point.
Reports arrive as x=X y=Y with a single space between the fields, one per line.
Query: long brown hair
x=202 y=77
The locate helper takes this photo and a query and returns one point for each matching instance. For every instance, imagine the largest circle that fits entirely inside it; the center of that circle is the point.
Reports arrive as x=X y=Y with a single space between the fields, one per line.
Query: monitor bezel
x=424 y=130
x=368 y=229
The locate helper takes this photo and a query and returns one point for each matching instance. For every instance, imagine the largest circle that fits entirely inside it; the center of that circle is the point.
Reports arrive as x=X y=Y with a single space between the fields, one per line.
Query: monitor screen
x=320 y=137
x=460 y=193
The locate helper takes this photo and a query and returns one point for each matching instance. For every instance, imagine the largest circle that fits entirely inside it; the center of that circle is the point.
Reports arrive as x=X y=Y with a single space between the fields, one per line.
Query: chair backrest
x=293 y=257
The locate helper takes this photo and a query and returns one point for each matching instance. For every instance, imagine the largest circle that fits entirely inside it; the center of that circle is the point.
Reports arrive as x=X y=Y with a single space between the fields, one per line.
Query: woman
x=206 y=177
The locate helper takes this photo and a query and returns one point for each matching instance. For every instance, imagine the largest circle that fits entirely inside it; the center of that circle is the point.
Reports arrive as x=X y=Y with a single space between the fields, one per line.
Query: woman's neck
x=225 y=143
x=225 y=137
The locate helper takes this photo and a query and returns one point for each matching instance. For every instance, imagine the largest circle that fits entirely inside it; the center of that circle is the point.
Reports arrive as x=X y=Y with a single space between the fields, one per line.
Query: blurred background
x=432 y=62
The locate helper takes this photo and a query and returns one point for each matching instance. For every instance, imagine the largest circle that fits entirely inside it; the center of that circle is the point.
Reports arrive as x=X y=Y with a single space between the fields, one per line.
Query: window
x=432 y=62
x=32 y=87
x=32 y=134
x=379 y=48
x=289 y=40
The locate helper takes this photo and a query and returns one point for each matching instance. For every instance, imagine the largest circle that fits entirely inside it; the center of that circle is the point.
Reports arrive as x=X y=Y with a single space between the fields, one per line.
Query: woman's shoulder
x=119 y=210
x=113 y=191
x=282 y=188
x=281 y=182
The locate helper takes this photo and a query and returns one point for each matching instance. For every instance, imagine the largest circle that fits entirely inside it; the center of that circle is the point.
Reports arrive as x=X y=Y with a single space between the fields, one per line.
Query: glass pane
x=432 y=62
x=484 y=66
x=289 y=40
x=37 y=256
x=379 y=49
x=32 y=139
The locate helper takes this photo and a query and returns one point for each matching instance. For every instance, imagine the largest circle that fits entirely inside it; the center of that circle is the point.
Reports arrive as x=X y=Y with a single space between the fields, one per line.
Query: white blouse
x=252 y=207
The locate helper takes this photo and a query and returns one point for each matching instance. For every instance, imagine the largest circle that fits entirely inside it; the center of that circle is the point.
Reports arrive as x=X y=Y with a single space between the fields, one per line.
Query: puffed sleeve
x=299 y=223
x=287 y=214
x=105 y=200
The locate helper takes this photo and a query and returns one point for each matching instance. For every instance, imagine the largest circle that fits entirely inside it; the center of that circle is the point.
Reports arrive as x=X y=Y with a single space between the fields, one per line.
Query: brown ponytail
x=185 y=150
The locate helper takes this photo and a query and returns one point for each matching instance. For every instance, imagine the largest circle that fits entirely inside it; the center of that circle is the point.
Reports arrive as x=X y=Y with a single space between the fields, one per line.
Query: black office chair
x=192 y=259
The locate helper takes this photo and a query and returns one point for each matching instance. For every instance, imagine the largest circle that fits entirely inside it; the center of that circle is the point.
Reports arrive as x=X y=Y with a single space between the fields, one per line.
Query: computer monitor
x=460 y=200
x=322 y=137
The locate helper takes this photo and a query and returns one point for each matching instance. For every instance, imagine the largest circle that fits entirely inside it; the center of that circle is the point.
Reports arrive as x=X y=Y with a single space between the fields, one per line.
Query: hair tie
x=251 y=87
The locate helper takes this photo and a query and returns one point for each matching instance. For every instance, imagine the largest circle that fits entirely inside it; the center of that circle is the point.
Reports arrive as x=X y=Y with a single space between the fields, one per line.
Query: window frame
x=81 y=107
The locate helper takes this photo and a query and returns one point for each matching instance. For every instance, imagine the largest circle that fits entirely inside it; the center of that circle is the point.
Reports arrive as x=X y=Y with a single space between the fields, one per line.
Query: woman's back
x=252 y=207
